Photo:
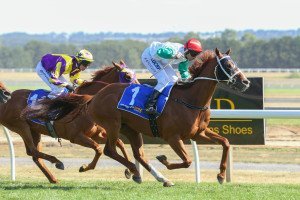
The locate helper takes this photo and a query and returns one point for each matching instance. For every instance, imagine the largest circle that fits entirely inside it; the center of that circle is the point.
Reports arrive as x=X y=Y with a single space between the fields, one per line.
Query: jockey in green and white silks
x=159 y=58
x=52 y=67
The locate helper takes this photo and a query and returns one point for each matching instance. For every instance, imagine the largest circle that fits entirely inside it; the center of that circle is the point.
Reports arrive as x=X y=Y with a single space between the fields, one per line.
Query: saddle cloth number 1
x=135 y=92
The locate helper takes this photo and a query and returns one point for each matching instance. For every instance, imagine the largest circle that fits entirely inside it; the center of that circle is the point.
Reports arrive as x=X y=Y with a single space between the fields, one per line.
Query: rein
x=203 y=108
x=230 y=80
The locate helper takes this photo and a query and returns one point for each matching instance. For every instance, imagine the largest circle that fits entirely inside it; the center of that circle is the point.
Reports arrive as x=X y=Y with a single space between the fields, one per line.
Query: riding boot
x=150 y=107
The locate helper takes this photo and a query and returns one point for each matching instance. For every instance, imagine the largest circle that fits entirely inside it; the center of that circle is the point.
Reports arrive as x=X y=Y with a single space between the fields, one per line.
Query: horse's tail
x=55 y=109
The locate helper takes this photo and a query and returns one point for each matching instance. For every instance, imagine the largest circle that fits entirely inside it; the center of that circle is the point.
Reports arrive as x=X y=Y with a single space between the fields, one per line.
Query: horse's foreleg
x=212 y=137
x=136 y=142
x=85 y=141
x=178 y=146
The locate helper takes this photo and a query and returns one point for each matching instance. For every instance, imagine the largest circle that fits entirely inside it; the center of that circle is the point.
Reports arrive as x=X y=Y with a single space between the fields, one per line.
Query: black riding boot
x=150 y=107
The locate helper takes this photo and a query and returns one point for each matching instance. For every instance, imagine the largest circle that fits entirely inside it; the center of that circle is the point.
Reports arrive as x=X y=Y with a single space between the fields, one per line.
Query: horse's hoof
x=161 y=158
x=127 y=173
x=168 y=184
x=53 y=181
x=60 y=166
x=82 y=168
x=137 y=179
x=220 y=179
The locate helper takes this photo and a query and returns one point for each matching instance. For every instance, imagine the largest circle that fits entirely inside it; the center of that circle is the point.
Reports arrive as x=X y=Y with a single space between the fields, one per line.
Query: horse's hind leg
x=212 y=137
x=112 y=130
x=121 y=146
x=39 y=162
x=136 y=142
x=101 y=138
x=85 y=141
x=25 y=132
x=178 y=146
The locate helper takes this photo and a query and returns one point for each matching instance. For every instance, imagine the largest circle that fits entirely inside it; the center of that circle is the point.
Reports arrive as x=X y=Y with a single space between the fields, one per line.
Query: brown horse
x=186 y=115
x=79 y=130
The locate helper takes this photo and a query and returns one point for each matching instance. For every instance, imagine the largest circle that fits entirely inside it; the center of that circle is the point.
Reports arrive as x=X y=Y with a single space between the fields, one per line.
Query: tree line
x=248 y=51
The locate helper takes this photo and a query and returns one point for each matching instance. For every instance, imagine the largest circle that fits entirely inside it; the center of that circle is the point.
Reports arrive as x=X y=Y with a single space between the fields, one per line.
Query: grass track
x=147 y=190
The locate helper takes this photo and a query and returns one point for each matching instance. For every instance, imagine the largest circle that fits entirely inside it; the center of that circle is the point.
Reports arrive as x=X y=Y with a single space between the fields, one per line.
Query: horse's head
x=227 y=71
x=4 y=93
x=126 y=75
x=116 y=73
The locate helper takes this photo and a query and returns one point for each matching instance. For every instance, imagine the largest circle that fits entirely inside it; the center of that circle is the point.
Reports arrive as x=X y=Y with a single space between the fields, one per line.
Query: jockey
x=53 y=66
x=159 y=58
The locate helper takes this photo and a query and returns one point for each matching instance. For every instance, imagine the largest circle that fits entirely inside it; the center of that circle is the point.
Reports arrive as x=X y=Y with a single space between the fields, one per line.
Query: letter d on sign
x=218 y=105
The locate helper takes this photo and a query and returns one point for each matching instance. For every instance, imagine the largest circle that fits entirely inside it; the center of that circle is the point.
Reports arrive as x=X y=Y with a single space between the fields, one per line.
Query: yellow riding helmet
x=85 y=55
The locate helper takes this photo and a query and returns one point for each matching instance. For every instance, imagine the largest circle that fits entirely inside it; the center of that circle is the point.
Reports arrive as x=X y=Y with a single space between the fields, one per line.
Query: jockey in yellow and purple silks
x=53 y=66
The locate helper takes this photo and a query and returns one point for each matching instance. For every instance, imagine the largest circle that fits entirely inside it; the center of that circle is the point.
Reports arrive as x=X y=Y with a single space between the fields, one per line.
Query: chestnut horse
x=186 y=115
x=79 y=130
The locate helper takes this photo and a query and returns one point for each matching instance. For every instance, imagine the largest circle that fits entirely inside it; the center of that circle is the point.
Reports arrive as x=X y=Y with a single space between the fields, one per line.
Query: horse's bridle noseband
x=122 y=75
x=231 y=78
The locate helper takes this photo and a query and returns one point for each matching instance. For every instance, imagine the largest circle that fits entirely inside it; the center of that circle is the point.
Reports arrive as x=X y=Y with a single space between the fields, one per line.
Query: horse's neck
x=201 y=92
x=92 y=88
x=110 y=77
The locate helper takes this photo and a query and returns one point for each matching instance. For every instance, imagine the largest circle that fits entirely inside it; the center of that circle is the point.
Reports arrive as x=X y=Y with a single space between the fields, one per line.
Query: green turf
x=148 y=190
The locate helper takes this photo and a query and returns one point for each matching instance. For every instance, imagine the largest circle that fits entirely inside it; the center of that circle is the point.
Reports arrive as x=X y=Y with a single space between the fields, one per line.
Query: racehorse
x=185 y=116
x=79 y=130
x=177 y=123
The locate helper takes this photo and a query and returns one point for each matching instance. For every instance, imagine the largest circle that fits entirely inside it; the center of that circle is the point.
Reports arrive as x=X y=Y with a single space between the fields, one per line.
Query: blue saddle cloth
x=33 y=97
x=135 y=97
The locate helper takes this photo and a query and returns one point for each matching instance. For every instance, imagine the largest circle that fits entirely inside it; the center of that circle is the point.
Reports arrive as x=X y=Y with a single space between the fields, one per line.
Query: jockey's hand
x=178 y=56
x=70 y=88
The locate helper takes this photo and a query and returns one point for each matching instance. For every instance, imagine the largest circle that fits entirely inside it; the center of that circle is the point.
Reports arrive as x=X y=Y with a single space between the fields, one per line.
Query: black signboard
x=240 y=131
x=237 y=131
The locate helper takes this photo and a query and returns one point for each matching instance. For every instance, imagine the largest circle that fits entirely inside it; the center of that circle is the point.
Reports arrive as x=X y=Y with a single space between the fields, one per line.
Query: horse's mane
x=199 y=64
x=98 y=74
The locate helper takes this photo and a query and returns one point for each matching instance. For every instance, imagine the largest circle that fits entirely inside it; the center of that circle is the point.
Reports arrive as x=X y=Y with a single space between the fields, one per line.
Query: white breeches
x=45 y=76
x=164 y=74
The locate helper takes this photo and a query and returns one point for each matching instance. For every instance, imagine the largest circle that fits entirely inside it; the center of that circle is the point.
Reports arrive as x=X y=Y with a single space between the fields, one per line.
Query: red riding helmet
x=193 y=45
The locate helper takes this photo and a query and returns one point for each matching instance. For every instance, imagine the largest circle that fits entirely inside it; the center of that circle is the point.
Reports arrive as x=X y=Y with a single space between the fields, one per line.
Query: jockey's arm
x=183 y=70
x=54 y=76
x=74 y=78
x=165 y=53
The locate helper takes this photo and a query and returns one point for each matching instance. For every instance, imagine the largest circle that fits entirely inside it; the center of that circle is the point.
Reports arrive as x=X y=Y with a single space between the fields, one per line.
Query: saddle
x=134 y=99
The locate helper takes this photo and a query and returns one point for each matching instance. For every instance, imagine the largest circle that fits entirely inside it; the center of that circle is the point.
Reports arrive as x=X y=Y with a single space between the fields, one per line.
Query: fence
x=224 y=113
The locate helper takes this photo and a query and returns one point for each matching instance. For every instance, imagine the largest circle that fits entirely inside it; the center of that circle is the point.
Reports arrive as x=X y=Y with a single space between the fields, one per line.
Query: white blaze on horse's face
x=227 y=71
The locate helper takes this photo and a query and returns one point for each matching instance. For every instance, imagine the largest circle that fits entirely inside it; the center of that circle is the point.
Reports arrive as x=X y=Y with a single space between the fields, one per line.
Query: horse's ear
x=122 y=62
x=117 y=65
x=228 y=51
x=218 y=52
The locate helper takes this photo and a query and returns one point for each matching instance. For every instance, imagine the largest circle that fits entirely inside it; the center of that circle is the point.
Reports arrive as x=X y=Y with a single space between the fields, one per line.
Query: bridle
x=231 y=78
x=122 y=75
